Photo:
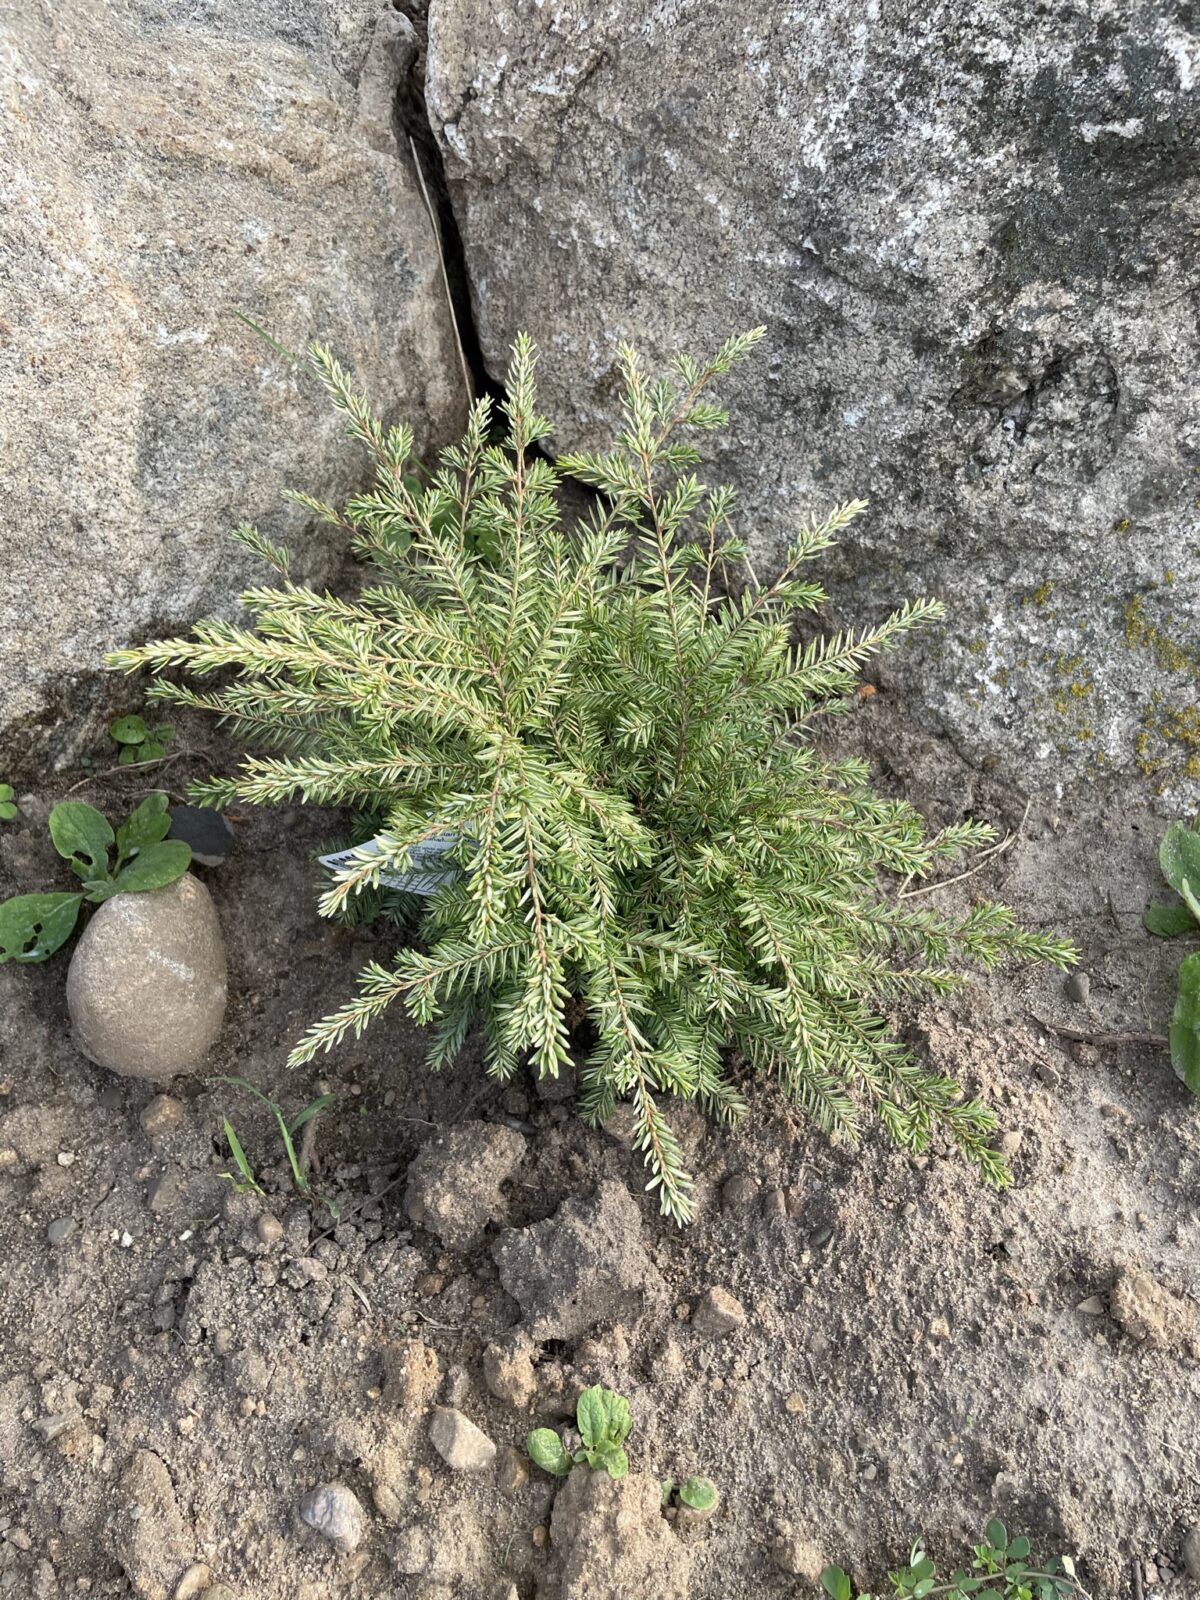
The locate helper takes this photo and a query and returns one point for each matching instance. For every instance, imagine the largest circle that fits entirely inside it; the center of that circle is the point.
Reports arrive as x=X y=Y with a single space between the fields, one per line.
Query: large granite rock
x=971 y=232
x=161 y=165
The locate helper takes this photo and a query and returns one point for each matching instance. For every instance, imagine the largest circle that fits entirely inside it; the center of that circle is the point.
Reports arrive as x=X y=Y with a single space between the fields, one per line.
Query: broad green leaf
x=603 y=1417
x=615 y=1463
x=1179 y=855
x=33 y=926
x=144 y=826
x=6 y=791
x=1184 y=1032
x=7 y=811
x=922 y=1568
x=546 y=1451
x=155 y=867
x=1189 y=898
x=82 y=836
x=129 y=754
x=835 y=1583
x=1019 y=1549
x=699 y=1493
x=1168 y=922
x=997 y=1534
x=129 y=730
x=152 y=750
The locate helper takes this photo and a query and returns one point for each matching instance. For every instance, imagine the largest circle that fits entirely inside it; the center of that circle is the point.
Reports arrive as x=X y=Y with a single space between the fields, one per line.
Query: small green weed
x=8 y=807
x=1000 y=1570
x=1179 y=858
x=137 y=742
x=244 y=1180
x=604 y=1421
x=34 y=926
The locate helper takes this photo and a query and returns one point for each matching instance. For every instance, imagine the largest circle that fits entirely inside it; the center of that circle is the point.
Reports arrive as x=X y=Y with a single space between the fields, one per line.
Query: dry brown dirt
x=918 y=1353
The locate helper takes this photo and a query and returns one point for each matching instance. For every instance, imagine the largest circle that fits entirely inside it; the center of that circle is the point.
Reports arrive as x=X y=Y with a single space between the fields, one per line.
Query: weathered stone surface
x=146 y=984
x=718 y=1312
x=454 y=1180
x=613 y=1542
x=968 y=231
x=582 y=1267
x=162 y=166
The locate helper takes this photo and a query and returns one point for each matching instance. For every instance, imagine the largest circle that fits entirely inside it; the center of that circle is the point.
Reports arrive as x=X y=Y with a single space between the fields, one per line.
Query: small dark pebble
x=820 y=1237
x=209 y=835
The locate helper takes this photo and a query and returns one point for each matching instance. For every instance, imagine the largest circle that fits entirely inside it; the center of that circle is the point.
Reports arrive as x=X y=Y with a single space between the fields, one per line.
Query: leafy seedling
x=1000 y=1570
x=699 y=1493
x=1179 y=858
x=287 y=1133
x=136 y=858
x=244 y=1181
x=8 y=807
x=604 y=1420
x=137 y=742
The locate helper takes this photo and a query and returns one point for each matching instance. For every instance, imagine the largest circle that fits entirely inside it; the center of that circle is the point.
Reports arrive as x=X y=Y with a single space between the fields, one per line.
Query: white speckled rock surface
x=970 y=230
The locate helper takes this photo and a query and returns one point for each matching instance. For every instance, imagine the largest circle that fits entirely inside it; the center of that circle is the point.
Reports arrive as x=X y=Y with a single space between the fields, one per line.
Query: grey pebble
x=1078 y=988
x=461 y=1445
x=336 y=1513
x=61 y=1229
x=820 y=1237
x=269 y=1228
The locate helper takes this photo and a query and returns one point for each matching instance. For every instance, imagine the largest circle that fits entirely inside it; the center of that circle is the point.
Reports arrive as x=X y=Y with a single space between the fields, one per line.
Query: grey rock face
x=167 y=167
x=582 y=1267
x=336 y=1513
x=968 y=232
x=454 y=1181
x=146 y=984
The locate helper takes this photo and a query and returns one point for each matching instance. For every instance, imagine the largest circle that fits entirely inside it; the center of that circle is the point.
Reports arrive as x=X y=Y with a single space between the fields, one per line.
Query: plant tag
x=429 y=873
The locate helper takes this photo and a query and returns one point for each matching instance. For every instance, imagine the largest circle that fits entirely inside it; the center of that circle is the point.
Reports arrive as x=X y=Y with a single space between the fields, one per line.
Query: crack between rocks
x=416 y=140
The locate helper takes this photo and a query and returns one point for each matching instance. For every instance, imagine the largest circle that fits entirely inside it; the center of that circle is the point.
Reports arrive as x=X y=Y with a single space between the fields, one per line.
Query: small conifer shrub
x=646 y=836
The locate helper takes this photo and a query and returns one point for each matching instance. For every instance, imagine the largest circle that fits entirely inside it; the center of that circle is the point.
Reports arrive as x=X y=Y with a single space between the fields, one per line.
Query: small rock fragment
x=1093 y=1306
x=718 y=1312
x=939 y=1328
x=1191 y=1551
x=461 y=1445
x=206 y=830
x=163 y=1115
x=336 y=1513
x=454 y=1181
x=508 y=1371
x=513 y=1472
x=61 y=1229
x=146 y=984
x=1078 y=988
x=196 y=1581
x=268 y=1228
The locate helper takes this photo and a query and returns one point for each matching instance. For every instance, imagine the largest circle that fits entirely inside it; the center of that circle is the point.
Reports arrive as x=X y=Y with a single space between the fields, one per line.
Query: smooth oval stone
x=146 y=985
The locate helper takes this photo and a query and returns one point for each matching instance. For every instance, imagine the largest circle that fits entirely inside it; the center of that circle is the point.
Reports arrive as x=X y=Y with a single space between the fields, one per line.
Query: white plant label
x=430 y=870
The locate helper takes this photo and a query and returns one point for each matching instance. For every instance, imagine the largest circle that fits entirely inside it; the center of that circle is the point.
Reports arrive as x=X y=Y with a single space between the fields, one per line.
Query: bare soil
x=919 y=1353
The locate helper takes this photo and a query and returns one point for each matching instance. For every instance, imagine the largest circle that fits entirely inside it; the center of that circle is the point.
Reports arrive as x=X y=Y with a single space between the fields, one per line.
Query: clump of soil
x=180 y=1365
